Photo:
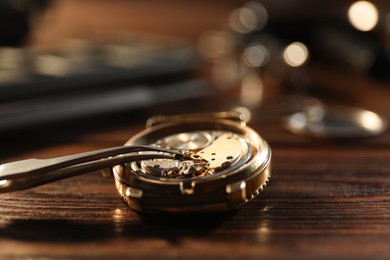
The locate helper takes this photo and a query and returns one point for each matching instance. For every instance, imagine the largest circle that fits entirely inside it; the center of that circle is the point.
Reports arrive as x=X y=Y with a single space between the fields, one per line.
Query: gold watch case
x=225 y=164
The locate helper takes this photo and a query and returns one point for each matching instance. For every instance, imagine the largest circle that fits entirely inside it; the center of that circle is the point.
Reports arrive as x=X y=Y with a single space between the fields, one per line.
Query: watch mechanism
x=204 y=153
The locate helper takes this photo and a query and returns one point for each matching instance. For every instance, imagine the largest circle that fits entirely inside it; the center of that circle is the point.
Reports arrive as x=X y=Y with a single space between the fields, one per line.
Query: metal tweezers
x=29 y=173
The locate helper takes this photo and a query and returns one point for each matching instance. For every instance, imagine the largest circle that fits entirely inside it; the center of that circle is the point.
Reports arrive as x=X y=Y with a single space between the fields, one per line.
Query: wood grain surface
x=326 y=198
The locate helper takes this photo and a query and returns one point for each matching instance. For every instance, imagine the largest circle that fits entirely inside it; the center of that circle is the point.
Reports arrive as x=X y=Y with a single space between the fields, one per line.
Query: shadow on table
x=148 y=226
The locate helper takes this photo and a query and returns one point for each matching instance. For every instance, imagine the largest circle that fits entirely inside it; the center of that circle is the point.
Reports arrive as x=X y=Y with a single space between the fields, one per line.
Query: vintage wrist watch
x=178 y=164
x=224 y=164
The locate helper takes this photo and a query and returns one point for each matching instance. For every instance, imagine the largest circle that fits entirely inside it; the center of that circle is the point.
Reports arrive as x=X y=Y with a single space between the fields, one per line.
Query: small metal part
x=187 y=188
x=217 y=153
x=207 y=156
x=133 y=193
x=236 y=192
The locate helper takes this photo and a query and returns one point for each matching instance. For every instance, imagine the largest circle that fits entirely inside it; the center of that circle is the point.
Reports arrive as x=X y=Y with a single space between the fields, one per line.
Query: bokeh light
x=252 y=16
x=370 y=121
x=296 y=54
x=256 y=55
x=363 y=15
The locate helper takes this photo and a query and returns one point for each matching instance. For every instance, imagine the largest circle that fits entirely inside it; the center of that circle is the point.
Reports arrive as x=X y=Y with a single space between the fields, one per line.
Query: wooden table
x=326 y=198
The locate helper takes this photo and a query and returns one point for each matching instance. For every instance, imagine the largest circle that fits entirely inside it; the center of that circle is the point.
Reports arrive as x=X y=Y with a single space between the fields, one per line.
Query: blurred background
x=64 y=60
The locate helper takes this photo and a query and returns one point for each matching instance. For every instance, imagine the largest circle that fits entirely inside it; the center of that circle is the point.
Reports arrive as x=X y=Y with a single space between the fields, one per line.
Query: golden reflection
x=296 y=54
x=264 y=230
x=264 y=226
x=118 y=220
x=363 y=15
